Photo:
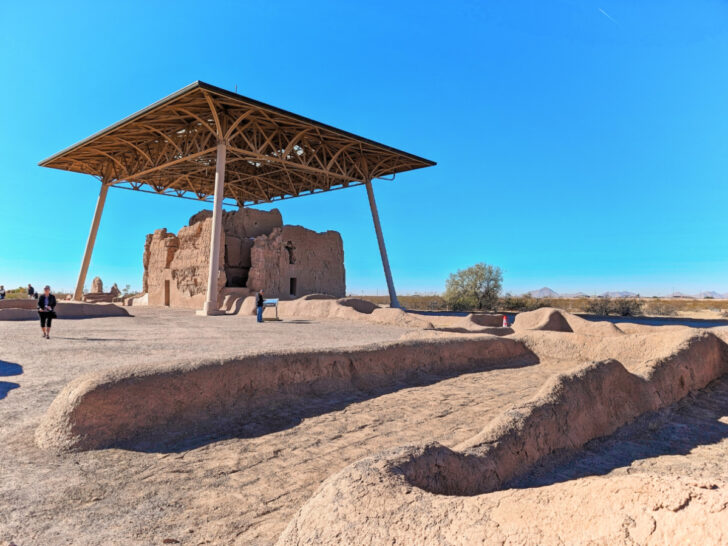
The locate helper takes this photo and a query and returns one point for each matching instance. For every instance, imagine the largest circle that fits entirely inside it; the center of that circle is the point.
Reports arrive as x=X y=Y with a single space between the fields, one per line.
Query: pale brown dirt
x=242 y=489
x=662 y=480
x=431 y=494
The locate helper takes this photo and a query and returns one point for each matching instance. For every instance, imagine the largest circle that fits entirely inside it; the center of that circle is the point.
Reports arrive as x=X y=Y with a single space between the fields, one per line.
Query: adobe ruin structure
x=207 y=143
x=257 y=252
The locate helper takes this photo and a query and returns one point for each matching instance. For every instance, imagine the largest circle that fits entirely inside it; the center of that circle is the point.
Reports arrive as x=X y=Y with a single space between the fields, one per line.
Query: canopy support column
x=393 y=301
x=78 y=294
x=211 y=306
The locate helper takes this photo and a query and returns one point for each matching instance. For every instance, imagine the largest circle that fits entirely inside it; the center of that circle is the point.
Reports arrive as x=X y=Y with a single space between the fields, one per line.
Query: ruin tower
x=259 y=252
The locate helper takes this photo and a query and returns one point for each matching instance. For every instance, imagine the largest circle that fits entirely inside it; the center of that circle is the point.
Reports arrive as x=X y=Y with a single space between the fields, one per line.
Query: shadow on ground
x=697 y=420
x=287 y=415
x=8 y=369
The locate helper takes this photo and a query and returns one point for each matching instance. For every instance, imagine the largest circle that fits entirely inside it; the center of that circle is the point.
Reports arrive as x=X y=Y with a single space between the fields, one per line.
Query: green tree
x=477 y=287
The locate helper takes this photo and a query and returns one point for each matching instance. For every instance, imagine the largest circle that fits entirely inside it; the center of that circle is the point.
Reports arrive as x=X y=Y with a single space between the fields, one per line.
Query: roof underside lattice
x=170 y=148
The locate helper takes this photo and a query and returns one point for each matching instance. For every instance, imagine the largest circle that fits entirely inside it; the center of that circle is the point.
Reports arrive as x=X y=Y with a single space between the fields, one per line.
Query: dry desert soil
x=245 y=486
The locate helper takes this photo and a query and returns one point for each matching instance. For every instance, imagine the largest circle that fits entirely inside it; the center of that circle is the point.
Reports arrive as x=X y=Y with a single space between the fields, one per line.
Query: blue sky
x=580 y=145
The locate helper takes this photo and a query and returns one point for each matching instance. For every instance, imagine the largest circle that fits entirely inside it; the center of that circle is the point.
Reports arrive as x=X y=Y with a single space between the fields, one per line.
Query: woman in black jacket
x=46 y=306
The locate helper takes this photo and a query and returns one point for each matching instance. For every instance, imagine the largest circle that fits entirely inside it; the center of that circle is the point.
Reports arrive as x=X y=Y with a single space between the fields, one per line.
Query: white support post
x=393 y=301
x=78 y=294
x=211 y=306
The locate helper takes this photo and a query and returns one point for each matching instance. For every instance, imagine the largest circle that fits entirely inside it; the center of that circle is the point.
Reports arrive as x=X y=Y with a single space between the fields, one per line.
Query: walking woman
x=46 y=306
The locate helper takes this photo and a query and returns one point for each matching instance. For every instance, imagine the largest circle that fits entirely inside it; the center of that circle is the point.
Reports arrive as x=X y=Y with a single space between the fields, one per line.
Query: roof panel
x=170 y=147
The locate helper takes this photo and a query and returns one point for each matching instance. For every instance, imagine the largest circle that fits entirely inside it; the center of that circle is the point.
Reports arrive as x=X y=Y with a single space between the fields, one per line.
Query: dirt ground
x=245 y=487
x=241 y=489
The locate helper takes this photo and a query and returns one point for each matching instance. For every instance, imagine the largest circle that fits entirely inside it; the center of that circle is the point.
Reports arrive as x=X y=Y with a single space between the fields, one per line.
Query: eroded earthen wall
x=176 y=266
x=293 y=261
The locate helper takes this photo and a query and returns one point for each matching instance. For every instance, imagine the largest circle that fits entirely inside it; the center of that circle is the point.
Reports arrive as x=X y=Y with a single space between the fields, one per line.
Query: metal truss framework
x=170 y=148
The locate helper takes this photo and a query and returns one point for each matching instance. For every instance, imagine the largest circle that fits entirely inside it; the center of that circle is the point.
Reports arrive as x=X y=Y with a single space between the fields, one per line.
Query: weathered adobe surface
x=257 y=252
x=395 y=496
x=97 y=294
x=661 y=480
x=181 y=261
x=134 y=403
x=314 y=260
x=65 y=310
x=323 y=306
x=25 y=303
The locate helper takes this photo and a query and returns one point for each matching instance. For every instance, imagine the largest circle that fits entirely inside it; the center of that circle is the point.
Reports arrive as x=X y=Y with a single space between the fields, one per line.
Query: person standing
x=2 y=292
x=259 y=304
x=46 y=306
x=31 y=291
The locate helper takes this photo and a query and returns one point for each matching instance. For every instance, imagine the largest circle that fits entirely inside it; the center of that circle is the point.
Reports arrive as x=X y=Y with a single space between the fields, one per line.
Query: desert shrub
x=599 y=306
x=627 y=307
x=477 y=287
x=514 y=303
x=524 y=303
x=622 y=307
x=659 y=307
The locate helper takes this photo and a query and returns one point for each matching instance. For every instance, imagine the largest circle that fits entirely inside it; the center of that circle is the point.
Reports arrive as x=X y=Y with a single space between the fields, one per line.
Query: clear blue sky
x=581 y=145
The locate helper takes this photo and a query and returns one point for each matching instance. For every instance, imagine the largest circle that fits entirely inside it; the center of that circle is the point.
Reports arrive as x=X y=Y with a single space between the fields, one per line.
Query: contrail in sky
x=612 y=19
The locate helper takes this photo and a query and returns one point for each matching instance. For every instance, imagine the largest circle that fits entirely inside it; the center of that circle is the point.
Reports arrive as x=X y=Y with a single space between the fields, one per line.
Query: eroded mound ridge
x=398 y=494
x=133 y=403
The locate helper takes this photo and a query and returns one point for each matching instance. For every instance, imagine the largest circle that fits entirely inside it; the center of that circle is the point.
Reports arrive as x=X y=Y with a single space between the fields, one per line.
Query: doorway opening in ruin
x=293 y=286
x=166 y=293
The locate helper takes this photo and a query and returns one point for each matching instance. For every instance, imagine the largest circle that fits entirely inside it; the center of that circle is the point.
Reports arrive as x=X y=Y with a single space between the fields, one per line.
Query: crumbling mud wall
x=190 y=265
x=100 y=410
x=241 y=227
x=176 y=266
x=257 y=252
x=293 y=261
x=395 y=496
x=64 y=309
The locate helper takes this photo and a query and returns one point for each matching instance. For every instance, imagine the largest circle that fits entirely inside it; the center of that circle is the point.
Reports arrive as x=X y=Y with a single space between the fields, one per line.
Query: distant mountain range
x=546 y=292
x=622 y=294
x=543 y=293
x=712 y=294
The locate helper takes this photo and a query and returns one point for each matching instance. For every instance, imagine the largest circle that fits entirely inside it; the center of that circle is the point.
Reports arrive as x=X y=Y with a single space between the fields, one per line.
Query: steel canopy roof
x=170 y=146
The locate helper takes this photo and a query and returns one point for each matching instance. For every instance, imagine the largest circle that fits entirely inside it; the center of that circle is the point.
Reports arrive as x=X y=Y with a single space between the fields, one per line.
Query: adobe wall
x=181 y=262
x=134 y=403
x=176 y=266
x=314 y=260
x=394 y=496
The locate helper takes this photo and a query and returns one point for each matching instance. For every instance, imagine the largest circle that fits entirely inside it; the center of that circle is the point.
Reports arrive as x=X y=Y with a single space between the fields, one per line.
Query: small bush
x=524 y=303
x=620 y=306
x=661 y=308
x=599 y=306
x=627 y=307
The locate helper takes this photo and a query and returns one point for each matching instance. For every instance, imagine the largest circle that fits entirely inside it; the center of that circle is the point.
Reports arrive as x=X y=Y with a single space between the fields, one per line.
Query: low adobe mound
x=66 y=310
x=558 y=320
x=25 y=303
x=394 y=497
x=322 y=307
x=474 y=323
x=545 y=318
x=135 y=403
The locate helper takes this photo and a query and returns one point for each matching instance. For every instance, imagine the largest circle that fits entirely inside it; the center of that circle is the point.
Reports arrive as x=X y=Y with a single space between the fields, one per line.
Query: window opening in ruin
x=166 y=293
x=290 y=248
x=293 y=286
